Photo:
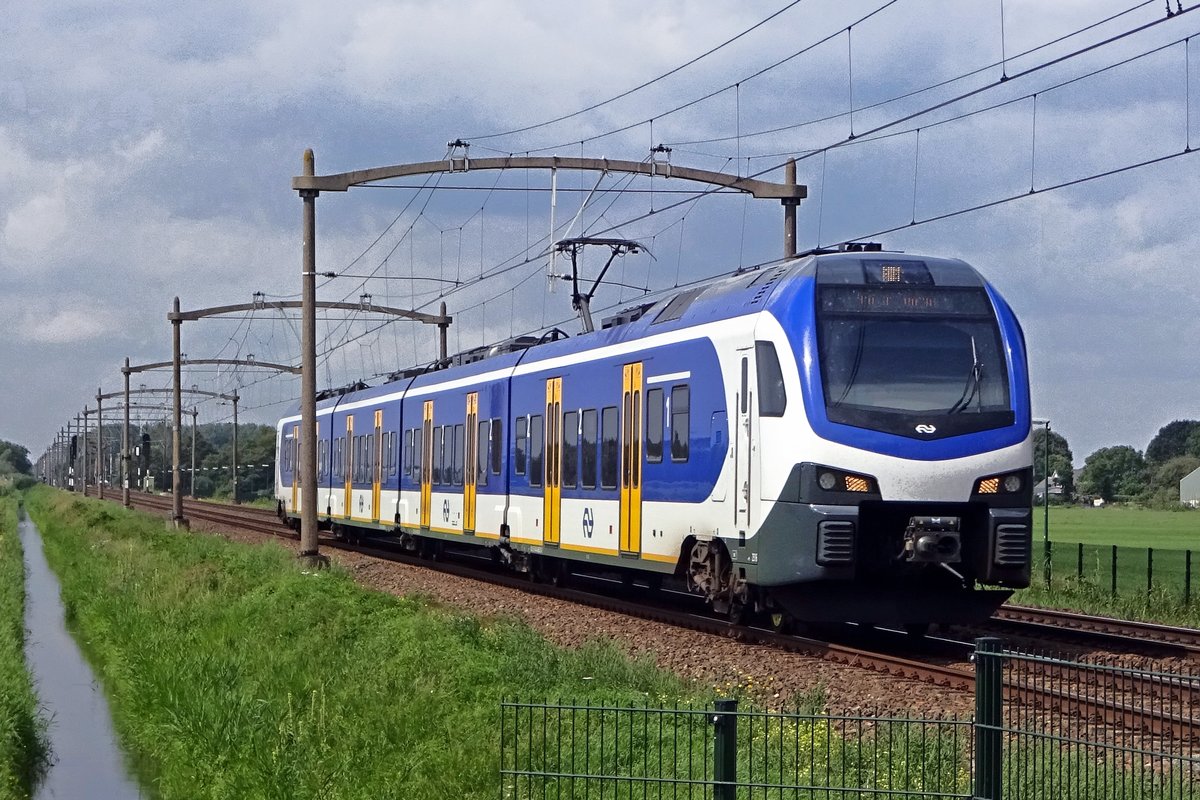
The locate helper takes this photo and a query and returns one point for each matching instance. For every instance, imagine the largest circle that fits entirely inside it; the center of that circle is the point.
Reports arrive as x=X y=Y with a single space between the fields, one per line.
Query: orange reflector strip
x=989 y=486
x=856 y=484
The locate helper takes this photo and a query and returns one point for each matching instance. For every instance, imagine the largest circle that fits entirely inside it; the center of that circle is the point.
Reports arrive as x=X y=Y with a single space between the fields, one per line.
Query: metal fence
x=1124 y=571
x=1043 y=728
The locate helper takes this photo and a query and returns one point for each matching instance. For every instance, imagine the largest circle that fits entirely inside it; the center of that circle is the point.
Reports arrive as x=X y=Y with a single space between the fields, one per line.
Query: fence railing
x=1124 y=571
x=1043 y=728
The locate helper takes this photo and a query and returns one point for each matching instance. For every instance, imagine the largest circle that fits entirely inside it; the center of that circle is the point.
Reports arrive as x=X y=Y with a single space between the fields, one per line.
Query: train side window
x=371 y=457
x=418 y=453
x=610 y=430
x=497 y=444
x=772 y=398
x=482 y=443
x=459 y=442
x=536 y=456
x=408 y=441
x=522 y=430
x=680 y=413
x=390 y=436
x=437 y=456
x=587 y=444
x=654 y=426
x=570 y=449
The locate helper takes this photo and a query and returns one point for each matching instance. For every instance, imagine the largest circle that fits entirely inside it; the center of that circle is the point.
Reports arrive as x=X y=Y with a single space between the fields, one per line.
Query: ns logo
x=926 y=428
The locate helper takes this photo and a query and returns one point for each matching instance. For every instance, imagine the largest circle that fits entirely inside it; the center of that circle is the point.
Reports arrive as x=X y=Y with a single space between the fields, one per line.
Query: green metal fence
x=1043 y=728
x=723 y=752
x=1124 y=571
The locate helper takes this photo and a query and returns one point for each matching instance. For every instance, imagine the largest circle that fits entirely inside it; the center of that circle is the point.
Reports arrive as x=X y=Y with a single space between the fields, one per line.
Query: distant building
x=1189 y=489
x=1056 y=488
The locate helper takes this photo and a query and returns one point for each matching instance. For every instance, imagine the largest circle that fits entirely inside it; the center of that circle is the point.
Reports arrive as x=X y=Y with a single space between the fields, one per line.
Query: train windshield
x=919 y=362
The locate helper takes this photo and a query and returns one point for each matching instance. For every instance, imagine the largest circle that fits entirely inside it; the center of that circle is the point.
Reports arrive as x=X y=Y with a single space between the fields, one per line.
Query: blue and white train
x=845 y=436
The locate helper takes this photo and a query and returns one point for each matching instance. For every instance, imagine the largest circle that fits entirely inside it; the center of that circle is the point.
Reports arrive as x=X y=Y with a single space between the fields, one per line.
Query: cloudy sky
x=146 y=152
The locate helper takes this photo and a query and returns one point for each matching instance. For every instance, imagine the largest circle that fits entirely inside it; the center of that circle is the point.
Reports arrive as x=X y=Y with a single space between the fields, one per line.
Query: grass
x=1082 y=580
x=23 y=742
x=231 y=674
x=1124 y=526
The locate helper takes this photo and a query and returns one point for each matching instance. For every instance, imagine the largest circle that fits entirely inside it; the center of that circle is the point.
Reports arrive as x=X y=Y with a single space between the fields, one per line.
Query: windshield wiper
x=974 y=379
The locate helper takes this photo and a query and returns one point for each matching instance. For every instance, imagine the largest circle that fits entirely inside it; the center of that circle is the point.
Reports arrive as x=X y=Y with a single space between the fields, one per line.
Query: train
x=844 y=436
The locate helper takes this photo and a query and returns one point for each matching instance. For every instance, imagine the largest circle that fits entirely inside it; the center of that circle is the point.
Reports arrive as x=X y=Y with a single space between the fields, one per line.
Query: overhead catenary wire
x=714 y=93
x=914 y=92
x=643 y=85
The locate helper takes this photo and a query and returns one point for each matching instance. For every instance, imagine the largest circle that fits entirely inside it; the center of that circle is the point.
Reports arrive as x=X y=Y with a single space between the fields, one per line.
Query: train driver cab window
x=654 y=426
x=680 y=413
x=610 y=429
x=772 y=399
x=537 y=458
x=520 y=444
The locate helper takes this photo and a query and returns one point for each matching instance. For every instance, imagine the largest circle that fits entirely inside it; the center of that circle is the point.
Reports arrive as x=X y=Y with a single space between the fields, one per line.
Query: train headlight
x=1008 y=483
x=827 y=480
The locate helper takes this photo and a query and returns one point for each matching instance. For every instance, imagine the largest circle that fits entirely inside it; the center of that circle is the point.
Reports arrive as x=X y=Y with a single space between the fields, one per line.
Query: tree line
x=1122 y=472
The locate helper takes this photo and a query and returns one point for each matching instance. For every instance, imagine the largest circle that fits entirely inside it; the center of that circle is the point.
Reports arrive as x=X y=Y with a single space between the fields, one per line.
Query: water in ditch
x=87 y=762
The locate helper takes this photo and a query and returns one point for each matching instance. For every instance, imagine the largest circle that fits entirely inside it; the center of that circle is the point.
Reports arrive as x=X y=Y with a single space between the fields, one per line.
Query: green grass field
x=1126 y=527
x=1152 y=589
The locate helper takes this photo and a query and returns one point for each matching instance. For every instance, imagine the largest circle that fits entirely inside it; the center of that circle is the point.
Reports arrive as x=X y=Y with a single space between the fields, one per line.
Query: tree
x=1113 y=472
x=1163 y=490
x=1172 y=440
x=14 y=458
x=1193 y=444
x=1061 y=460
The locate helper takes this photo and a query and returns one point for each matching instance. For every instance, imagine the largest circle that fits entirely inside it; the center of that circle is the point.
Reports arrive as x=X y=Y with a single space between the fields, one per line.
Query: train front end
x=905 y=480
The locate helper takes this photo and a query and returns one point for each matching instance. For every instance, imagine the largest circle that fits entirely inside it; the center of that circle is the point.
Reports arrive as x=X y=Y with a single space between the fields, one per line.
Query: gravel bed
x=771 y=677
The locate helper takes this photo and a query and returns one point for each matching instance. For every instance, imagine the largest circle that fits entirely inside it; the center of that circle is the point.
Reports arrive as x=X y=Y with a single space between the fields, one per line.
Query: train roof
x=761 y=289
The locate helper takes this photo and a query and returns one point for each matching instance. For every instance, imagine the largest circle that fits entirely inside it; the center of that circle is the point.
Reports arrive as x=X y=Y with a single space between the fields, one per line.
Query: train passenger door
x=631 y=458
x=349 y=467
x=742 y=437
x=377 y=472
x=427 y=464
x=552 y=496
x=295 y=448
x=470 y=472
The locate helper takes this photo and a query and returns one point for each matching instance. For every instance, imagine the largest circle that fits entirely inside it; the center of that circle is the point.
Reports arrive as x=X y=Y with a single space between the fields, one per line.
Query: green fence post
x=989 y=717
x=1149 y=570
x=1046 y=556
x=1187 y=577
x=1114 y=571
x=1079 y=562
x=725 y=750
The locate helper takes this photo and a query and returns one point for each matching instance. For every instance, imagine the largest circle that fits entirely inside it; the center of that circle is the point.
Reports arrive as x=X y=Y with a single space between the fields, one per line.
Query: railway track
x=1179 y=642
x=1039 y=686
